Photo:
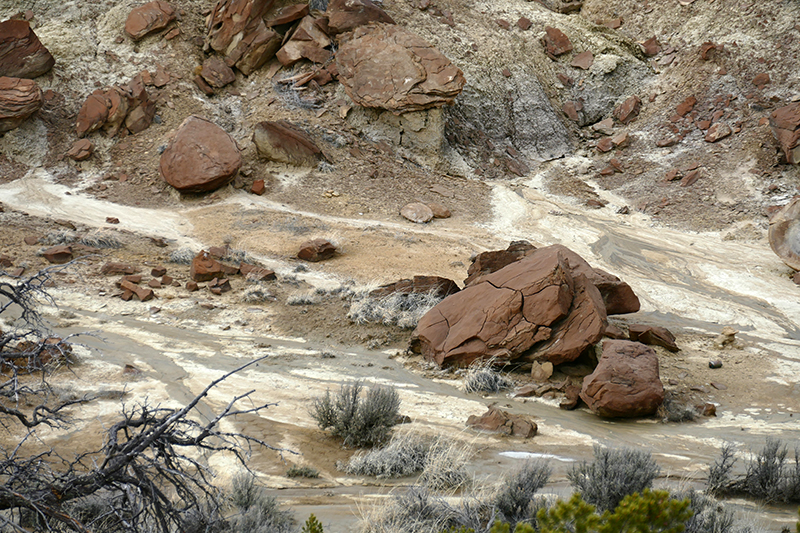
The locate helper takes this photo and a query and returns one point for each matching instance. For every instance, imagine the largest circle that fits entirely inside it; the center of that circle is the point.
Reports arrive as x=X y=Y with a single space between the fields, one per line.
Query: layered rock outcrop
x=22 y=55
x=19 y=99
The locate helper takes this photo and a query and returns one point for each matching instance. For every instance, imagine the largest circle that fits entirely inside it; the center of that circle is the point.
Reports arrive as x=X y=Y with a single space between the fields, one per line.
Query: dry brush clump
x=482 y=377
x=396 y=309
x=614 y=474
x=358 y=421
x=770 y=476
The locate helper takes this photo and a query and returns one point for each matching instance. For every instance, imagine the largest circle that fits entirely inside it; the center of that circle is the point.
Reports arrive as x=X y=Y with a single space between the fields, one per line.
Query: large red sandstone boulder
x=785 y=122
x=201 y=157
x=625 y=383
x=285 y=142
x=487 y=262
x=388 y=67
x=617 y=295
x=114 y=107
x=535 y=309
x=499 y=421
x=19 y=99
x=346 y=15
x=435 y=285
x=22 y=55
x=150 y=17
x=316 y=250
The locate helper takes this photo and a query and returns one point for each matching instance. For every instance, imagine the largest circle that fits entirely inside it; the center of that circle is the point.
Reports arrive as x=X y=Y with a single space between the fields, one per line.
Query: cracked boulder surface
x=625 y=383
x=389 y=67
x=539 y=308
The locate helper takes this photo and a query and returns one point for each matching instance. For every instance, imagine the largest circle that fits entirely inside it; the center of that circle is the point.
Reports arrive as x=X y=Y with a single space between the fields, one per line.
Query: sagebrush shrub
x=614 y=474
x=358 y=422
x=514 y=497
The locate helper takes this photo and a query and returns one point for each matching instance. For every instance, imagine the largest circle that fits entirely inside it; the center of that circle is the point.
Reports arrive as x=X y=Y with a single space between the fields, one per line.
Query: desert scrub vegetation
x=396 y=309
x=358 y=421
x=481 y=376
x=614 y=474
x=303 y=298
x=255 y=510
x=514 y=499
x=440 y=463
x=302 y=471
x=769 y=475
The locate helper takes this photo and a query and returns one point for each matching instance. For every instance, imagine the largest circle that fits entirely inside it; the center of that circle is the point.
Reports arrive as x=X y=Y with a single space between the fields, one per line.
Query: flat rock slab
x=498 y=421
x=19 y=99
x=201 y=157
x=58 y=255
x=231 y=20
x=534 y=309
x=149 y=18
x=556 y=42
x=434 y=285
x=285 y=142
x=487 y=262
x=22 y=55
x=388 y=67
x=417 y=212
x=653 y=335
x=81 y=150
x=625 y=383
x=346 y=15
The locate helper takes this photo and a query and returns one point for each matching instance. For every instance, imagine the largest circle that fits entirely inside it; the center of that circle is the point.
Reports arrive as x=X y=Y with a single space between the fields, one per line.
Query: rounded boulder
x=201 y=157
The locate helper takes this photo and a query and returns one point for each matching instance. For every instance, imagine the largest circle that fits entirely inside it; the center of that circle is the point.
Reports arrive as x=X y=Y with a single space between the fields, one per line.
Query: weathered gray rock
x=388 y=67
x=19 y=99
x=625 y=383
x=201 y=157
x=417 y=212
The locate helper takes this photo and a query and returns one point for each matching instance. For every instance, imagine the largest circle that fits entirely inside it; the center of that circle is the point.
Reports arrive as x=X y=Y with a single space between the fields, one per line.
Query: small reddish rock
x=651 y=47
x=417 y=212
x=570 y=109
x=605 y=145
x=685 y=107
x=217 y=73
x=31 y=240
x=112 y=220
x=148 y=18
x=204 y=268
x=192 y=286
x=717 y=132
x=141 y=293
x=81 y=150
x=655 y=335
x=439 y=211
x=761 y=80
x=628 y=110
x=583 y=60
x=316 y=250
x=524 y=23
x=506 y=25
x=690 y=178
x=167 y=280
x=668 y=141
x=613 y=24
x=115 y=269
x=157 y=272
x=258 y=187
x=154 y=283
x=58 y=254
x=556 y=42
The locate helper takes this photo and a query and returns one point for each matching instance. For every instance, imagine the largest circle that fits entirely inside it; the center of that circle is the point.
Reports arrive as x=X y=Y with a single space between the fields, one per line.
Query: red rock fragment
x=285 y=142
x=498 y=421
x=556 y=42
x=154 y=284
x=706 y=49
x=141 y=293
x=703 y=124
x=506 y=73
x=717 y=132
x=258 y=187
x=605 y=145
x=220 y=284
x=31 y=240
x=288 y=14
x=192 y=286
x=690 y=178
x=157 y=272
x=620 y=140
x=685 y=107
x=58 y=254
x=651 y=47
x=149 y=18
x=204 y=268
x=655 y=335
x=613 y=24
x=571 y=110
x=628 y=110
x=112 y=220
x=583 y=60
x=346 y=15
x=217 y=73
x=81 y=150
x=503 y=23
x=203 y=85
x=6 y=261
x=115 y=269
x=22 y=55
x=316 y=250
x=524 y=24
x=761 y=80
x=19 y=99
